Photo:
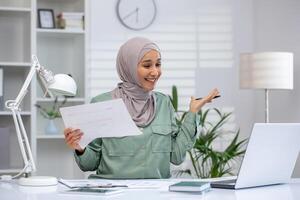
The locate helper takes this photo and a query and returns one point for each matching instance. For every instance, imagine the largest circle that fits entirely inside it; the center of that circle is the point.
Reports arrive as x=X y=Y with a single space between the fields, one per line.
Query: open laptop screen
x=270 y=157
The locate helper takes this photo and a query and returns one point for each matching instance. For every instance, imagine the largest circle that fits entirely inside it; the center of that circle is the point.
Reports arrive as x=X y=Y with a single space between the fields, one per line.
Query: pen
x=105 y=186
x=213 y=98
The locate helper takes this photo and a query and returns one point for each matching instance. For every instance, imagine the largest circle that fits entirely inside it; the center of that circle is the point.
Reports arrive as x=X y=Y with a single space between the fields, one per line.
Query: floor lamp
x=266 y=70
x=60 y=84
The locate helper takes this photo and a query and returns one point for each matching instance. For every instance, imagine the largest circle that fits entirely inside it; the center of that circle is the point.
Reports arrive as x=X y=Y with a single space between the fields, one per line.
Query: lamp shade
x=266 y=70
x=63 y=84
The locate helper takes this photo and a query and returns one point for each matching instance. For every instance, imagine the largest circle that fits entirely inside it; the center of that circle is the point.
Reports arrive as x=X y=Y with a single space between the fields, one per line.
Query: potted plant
x=51 y=114
x=207 y=162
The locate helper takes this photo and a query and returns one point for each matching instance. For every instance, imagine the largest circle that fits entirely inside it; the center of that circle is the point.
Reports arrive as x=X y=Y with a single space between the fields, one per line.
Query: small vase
x=51 y=128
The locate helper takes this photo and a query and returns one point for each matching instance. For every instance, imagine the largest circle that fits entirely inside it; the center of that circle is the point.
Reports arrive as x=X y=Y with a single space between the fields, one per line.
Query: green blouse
x=144 y=156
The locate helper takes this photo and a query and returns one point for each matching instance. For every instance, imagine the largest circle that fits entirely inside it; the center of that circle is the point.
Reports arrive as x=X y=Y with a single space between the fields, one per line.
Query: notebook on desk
x=270 y=157
x=189 y=186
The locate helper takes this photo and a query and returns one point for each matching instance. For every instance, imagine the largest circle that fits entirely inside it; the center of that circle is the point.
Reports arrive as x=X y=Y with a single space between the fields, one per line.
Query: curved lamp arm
x=14 y=106
x=47 y=80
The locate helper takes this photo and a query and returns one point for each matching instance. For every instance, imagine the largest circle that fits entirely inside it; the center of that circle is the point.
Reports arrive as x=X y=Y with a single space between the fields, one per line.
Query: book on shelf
x=190 y=186
x=71 y=20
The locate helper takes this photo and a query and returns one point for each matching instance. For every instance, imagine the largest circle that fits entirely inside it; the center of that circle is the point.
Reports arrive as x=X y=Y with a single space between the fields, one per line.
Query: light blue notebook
x=190 y=186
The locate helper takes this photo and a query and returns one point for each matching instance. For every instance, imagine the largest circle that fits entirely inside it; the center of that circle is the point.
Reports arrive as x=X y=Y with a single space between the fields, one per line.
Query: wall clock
x=136 y=14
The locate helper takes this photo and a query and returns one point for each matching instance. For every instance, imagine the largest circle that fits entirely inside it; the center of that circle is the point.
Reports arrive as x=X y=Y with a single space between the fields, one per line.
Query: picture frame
x=46 y=18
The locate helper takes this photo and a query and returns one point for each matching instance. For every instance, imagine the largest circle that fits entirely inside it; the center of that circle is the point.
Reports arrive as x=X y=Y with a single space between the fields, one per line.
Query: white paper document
x=99 y=120
x=129 y=184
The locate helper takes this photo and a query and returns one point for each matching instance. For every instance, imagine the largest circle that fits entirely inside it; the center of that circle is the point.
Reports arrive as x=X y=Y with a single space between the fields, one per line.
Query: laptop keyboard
x=227 y=182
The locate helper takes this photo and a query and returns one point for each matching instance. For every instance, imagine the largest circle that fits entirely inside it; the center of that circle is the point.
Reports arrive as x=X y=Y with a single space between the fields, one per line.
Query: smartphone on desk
x=93 y=191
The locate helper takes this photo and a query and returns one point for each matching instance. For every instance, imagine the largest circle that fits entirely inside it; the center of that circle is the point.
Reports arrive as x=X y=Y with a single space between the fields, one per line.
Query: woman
x=147 y=155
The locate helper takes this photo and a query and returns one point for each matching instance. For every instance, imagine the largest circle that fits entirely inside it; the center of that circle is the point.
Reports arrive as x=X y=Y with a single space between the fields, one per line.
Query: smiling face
x=149 y=70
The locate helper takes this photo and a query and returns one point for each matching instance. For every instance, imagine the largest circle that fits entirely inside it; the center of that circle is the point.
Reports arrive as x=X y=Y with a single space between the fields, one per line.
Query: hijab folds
x=140 y=104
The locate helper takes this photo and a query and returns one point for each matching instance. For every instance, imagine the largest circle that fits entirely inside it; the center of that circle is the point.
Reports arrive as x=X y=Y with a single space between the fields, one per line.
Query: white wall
x=227 y=79
x=258 y=25
x=277 y=28
x=261 y=25
x=107 y=34
x=104 y=31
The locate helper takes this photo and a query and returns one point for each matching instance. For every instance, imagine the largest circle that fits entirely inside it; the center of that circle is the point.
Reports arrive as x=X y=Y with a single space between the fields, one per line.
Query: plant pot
x=51 y=128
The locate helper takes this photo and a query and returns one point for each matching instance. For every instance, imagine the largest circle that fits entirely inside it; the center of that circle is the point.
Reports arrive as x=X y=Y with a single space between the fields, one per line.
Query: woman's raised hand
x=196 y=105
x=72 y=137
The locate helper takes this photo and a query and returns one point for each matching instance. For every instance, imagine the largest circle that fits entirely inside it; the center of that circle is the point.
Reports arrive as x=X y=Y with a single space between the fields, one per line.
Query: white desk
x=12 y=191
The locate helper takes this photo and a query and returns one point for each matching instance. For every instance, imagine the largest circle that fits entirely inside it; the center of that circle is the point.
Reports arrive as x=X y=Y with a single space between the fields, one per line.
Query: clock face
x=136 y=14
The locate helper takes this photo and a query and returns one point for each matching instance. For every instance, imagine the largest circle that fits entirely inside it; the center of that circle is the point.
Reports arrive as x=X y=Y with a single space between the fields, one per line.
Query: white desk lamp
x=59 y=84
x=266 y=70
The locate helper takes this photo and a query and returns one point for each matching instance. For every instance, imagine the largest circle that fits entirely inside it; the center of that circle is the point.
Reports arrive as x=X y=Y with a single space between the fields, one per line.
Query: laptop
x=270 y=156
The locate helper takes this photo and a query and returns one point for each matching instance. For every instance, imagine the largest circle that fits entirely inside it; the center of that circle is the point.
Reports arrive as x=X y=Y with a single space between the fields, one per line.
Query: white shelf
x=60 y=99
x=15 y=9
x=59 y=50
x=40 y=136
x=59 y=32
x=15 y=64
x=8 y=113
x=9 y=171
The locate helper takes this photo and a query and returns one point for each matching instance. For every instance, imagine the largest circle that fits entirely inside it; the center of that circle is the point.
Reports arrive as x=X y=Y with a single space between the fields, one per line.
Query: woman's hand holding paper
x=72 y=137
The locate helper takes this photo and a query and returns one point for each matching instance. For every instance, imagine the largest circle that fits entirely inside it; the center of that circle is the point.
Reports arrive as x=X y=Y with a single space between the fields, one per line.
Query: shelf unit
x=15 y=50
x=59 y=50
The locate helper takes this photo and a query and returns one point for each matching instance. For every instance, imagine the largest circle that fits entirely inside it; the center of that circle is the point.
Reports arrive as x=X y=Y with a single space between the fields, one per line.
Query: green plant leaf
x=203 y=116
x=218 y=111
x=206 y=161
x=53 y=111
x=174 y=98
x=179 y=173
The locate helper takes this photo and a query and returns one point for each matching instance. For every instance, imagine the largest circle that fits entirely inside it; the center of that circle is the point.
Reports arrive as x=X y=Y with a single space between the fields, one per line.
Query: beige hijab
x=140 y=104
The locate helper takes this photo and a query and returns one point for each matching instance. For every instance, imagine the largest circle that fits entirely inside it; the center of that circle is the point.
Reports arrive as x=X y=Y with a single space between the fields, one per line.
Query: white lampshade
x=266 y=70
x=63 y=84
